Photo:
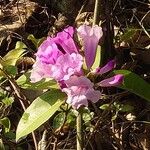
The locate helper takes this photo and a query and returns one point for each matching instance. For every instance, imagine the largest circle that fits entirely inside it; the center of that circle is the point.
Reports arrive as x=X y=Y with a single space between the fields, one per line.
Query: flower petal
x=93 y=95
x=90 y=37
x=113 y=81
x=66 y=66
x=109 y=66
x=79 y=91
x=66 y=41
x=48 y=52
x=76 y=81
x=40 y=71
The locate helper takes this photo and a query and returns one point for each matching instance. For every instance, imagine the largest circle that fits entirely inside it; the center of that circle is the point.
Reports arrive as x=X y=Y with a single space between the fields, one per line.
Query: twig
x=79 y=132
x=142 y=26
x=42 y=143
x=96 y=12
x=144 y=16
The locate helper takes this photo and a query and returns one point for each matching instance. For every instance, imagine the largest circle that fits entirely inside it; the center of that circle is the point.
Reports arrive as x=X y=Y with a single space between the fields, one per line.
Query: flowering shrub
x=60 y=59
x=60 y=71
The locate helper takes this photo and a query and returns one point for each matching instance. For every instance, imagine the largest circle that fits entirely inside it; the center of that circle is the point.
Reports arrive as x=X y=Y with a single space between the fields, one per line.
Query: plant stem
x=96 y=12
x=79 y=132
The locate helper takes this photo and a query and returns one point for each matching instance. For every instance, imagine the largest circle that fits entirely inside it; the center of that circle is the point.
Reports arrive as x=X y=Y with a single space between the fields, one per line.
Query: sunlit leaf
x=40 y=110
x=12 y=56
x=25 y=83
x=6 y=124
x=8 y=100
x=36 y=42
x=135 y=84
x=20 y=45
x=104 y=106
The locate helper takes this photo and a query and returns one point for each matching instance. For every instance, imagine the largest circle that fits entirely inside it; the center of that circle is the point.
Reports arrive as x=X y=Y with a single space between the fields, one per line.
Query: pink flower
x=40 y=70
x=108 y=67
x=90 y=37
x=48 y=52
x=79 y=91
x=65 y=40
x=55 y=62
x=66 y=66
x=112 y=81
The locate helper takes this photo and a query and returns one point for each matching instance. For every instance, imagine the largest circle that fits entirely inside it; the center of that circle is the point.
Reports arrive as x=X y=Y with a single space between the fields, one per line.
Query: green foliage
x=59 y=120
x=36 y=42
x=117 y=107
x=8 y=62
x=5 y=98
x=104 y=106
x=24 y=82
x=12 y=56
x=71 y=118
x=41 y=109
x=126 y=108
x=8 y=100
x=134 y=84
x=6 y=124
x=11 y=70
x=128 y=35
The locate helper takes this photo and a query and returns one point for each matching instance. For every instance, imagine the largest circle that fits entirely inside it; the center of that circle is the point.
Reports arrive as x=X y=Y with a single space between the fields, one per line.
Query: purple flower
x=40 y=70
x=66 y=66
x=53 y=63
x=48 y=52
x=90 y=37
x=108 y=67
x=79 y=91
x=112 y=81
x=65 y=40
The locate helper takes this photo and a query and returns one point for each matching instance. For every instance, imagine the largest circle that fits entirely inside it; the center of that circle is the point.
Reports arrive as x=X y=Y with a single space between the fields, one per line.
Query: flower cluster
x=59 y=58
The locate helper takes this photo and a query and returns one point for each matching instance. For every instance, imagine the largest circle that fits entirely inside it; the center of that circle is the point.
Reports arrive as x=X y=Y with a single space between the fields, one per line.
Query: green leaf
x=97 y=58
x=20 y=45
x=135 y=84
x=6 y=124
x=12 y=56
x=11 y=70
x=10 y=135
x=25 y=83
x=8 y=100
x=128 y=35
x=59 y=120
x=71 y=119
x=104 y=106
x=126 y=108
x=40 y=110
x=36 y=42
